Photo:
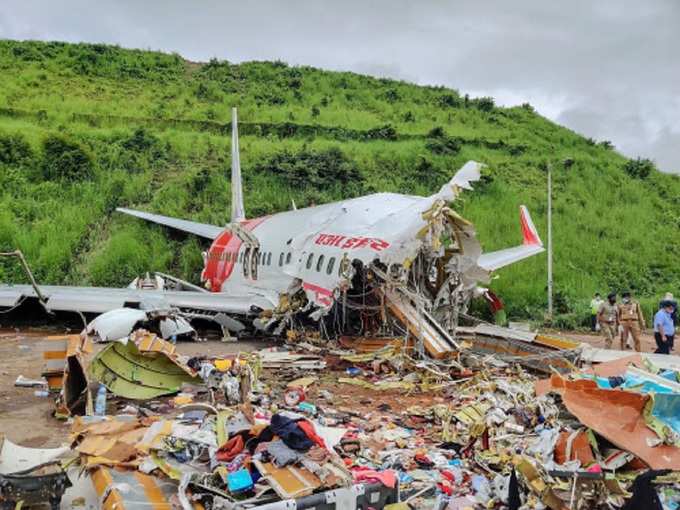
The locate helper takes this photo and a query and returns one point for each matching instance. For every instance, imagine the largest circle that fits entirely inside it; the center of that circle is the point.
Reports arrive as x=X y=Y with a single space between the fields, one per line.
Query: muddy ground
x=26 y=419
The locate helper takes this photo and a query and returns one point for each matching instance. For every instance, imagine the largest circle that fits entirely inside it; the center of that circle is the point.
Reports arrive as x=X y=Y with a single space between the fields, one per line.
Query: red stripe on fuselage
x=222 y=255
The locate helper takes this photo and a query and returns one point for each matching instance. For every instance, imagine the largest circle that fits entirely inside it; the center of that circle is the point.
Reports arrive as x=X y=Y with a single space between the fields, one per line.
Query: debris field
x=354 y=423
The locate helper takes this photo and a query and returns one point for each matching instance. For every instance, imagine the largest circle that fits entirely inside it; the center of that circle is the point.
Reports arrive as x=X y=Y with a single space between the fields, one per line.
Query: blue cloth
x=663 y=318
x=289 y=432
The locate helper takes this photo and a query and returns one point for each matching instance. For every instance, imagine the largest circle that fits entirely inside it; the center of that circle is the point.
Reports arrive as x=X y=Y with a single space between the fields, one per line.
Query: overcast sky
x=607 y=68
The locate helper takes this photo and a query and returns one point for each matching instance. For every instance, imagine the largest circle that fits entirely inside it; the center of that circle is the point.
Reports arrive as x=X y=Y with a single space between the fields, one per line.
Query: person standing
x=608 y=318
x=663 y=327
x=594 y=308
x=674 y=315
x=632 y=320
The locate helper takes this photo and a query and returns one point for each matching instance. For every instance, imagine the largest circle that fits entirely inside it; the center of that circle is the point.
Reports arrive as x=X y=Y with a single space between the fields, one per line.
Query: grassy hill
x=86 y=128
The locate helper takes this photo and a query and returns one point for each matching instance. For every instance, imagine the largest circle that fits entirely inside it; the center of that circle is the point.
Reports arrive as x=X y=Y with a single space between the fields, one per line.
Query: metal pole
x=550 y=268
x=18 y=254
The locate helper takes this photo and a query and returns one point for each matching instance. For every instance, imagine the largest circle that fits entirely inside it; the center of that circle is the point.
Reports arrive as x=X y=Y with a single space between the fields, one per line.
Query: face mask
x=626 y=300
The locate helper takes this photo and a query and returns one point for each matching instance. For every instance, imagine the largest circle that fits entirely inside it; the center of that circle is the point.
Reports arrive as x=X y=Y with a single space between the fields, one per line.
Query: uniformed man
x=594 y=308
x=632 y=320
x=663 y=327
x=608 y=318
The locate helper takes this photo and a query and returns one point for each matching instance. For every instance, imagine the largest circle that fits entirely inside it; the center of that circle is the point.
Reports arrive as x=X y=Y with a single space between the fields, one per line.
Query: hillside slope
x=86 y=128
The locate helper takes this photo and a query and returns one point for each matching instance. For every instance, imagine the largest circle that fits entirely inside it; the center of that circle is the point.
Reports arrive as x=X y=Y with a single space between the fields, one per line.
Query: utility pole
x=550 y=268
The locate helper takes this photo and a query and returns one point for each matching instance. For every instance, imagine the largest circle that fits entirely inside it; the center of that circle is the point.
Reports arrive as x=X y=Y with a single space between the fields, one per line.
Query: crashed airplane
x=382 y=264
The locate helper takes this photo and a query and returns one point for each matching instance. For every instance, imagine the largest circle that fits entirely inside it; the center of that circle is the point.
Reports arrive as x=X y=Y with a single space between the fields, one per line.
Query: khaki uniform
x=608 y=316
x=632 y=321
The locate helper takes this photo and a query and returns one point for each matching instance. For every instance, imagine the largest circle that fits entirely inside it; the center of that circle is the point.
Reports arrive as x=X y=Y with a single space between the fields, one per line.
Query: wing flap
x=192 y=227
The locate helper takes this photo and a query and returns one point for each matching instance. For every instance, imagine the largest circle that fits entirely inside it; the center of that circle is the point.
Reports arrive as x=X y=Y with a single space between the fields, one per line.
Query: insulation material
x=146 y=367
x=15 y=458
x=115 y=325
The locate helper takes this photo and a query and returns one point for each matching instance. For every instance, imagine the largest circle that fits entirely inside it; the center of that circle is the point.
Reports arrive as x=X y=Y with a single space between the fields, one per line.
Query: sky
x=608 y=69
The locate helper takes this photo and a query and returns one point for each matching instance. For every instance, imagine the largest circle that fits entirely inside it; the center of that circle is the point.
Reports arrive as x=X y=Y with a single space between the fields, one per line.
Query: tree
x=639 y=168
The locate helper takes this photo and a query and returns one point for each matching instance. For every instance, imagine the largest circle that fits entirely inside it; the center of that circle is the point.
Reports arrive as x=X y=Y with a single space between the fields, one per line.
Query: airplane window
x=319 y=263
x=269 y=259
x=288 y=258
x=331 y=263
x=280 y=259
x=310 y=259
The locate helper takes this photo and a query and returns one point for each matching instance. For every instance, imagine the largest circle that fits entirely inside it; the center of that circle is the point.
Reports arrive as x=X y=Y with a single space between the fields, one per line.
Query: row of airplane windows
x=265 y=259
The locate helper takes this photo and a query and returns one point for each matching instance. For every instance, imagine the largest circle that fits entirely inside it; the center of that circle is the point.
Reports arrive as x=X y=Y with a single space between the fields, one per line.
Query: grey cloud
x=606 y=69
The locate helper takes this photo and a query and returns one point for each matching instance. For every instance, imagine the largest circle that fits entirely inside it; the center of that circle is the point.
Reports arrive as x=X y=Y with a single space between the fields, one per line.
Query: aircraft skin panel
x=191 y=227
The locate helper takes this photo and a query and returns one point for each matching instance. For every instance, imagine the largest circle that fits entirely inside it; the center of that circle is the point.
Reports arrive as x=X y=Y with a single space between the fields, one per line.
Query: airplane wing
x=103 y=299
x=532 y=245
x=192 y=227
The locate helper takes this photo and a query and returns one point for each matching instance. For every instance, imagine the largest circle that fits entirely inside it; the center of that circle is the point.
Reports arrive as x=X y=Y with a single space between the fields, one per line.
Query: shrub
x=426 y=174
x=441 y=144
x=320 y=169
x=448 y=101
x=409 y=117
x=14 y=149
x=639 y=168
x=391 y=95
x=485 y=104
x=65 y=159
x=386 y=132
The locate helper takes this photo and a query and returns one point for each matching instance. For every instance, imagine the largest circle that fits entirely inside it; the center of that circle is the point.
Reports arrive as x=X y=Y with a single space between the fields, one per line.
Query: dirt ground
x=26 y=419
x=597 y=340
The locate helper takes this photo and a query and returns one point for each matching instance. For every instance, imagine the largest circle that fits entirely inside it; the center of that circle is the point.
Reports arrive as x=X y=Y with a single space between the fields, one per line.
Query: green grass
x=151 y=131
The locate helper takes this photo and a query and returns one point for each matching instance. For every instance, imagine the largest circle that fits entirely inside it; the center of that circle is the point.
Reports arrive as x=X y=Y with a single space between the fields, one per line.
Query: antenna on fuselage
x=238 y=212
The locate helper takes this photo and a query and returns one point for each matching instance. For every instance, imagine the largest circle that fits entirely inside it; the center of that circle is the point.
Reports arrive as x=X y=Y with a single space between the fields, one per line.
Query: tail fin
x=531 y=245
x=238 y=212
x=529 y=232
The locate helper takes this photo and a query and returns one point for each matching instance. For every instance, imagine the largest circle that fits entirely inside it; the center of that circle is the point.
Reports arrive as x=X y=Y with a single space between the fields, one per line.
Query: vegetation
x=87 y=128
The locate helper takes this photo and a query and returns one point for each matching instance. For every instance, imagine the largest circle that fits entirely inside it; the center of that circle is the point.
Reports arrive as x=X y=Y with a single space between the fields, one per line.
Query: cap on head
x=668 y=296
x=625 y=294
x=611 y=295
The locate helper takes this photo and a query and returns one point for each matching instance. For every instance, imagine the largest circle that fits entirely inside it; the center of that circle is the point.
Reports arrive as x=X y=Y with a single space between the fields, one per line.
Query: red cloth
x=388 y=478
x=229 y=450
x=309 y=431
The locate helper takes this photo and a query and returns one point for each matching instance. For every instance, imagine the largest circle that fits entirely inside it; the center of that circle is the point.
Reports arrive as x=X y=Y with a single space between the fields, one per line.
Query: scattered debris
x=304 y=425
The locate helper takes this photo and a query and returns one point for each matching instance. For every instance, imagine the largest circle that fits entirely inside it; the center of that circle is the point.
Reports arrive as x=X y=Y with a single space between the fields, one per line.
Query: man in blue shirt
x=664 y=328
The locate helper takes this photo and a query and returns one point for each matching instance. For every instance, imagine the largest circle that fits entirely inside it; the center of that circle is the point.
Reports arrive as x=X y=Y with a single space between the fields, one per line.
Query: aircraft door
x=253 y=262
